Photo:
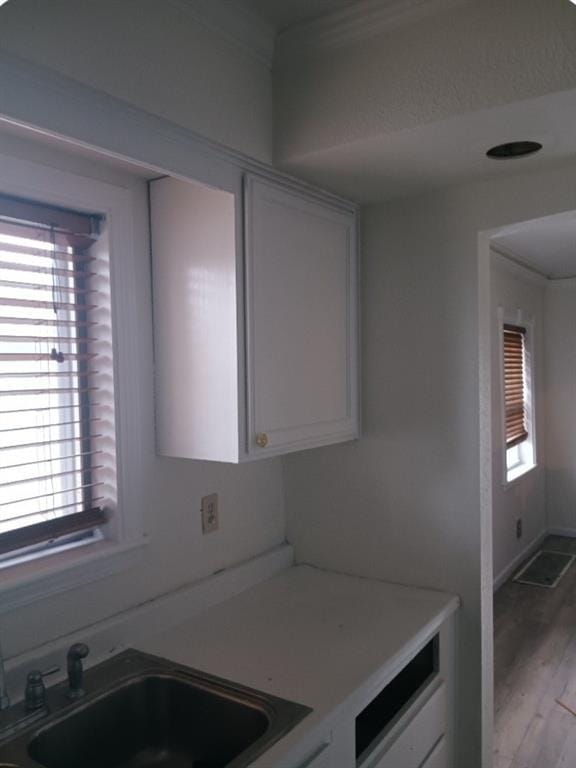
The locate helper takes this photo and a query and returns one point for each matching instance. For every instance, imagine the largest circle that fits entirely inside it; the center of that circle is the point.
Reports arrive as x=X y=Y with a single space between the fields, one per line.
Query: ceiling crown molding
x=364 y=19
x=235 y=24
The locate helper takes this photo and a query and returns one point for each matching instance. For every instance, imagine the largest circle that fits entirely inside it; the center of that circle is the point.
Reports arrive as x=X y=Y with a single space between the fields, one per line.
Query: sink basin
x=144 y=712
x=153 y=721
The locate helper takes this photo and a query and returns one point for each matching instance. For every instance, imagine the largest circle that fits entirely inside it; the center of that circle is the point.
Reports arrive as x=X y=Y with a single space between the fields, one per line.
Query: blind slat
x=39 y=375
x=42 y=408
x=41 y=443
x=21 y=284
x=52 y=425
x=36 y=462
x=63 y=254
x=35 y=304
x=21 y=338
x=58 y=271
x=50 y=494
x=30 y=392
x=56 y=322
x=22 y=357
x=42 y=478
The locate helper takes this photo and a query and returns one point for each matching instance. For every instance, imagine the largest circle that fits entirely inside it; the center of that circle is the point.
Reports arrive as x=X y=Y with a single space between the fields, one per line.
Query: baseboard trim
x=110 y=636
x=506 y=572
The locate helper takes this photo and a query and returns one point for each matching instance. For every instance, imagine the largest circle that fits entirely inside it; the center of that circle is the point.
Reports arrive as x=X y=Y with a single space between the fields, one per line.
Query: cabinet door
x=301 y=290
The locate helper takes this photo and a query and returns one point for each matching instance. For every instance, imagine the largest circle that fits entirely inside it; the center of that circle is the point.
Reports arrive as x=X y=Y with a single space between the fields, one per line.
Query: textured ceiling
x=416 y=106
x=285 y=13
x=546 y=245
x=447 y=152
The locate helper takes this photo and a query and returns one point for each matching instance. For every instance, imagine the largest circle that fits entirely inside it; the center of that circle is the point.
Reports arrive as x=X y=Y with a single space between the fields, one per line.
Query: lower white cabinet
x=417 y=740
x=405 y=721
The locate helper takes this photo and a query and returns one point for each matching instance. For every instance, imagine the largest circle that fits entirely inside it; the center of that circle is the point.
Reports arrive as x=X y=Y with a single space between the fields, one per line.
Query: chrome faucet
x=4 y=698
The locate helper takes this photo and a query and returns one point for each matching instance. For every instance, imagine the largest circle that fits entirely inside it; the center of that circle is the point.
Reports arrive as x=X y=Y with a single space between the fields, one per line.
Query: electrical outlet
x=519 y=528
x=209 y=508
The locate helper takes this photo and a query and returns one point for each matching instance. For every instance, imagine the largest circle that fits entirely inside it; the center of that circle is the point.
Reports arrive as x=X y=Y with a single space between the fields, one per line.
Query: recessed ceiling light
x=2 y=2
x=514 y=149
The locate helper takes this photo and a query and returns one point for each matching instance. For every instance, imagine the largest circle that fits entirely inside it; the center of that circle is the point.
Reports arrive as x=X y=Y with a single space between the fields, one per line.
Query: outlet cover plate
x=209 y=508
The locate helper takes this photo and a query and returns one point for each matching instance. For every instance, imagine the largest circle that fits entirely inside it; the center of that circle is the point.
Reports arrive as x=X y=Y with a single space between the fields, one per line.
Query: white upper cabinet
x=256 y=337
x=301 y=320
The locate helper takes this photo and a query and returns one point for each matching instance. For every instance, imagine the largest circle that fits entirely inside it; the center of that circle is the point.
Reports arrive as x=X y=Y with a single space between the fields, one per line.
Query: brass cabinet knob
x=261 y=439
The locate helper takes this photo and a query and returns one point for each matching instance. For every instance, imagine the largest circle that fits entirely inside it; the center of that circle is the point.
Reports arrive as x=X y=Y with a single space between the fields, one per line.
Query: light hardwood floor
x=534 y=665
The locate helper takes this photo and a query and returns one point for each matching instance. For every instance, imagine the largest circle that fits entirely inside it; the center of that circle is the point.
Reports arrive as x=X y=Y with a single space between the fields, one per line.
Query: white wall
x=404 y=502
x=560 y=332
x=514 y=288
x=153 y=55
x=251 y=496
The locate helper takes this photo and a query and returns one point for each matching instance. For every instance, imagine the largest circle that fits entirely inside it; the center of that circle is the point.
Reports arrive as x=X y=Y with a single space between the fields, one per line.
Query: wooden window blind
x=515 y=384
x=49 y=358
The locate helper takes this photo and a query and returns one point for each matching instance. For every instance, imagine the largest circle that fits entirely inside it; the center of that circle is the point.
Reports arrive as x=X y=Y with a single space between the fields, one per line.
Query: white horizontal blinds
x=50 y=426
x=515 y=384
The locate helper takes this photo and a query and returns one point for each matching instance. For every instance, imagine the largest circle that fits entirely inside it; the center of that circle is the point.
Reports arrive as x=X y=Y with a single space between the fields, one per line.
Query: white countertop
x=306 y=635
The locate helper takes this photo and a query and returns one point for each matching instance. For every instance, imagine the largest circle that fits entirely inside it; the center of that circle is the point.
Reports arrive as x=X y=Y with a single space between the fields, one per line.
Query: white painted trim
x=485 y=474
x=36 y=98
x=115 y=633
x=25 y=582
x=235 y=24
x=64 y=571
x=359 y=21
x=508 y=262
x=515 y=475
x=528 y=550
x=569 y=532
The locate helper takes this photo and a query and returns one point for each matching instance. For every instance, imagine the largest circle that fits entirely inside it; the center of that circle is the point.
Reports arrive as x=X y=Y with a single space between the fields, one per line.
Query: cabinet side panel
x=193 y=239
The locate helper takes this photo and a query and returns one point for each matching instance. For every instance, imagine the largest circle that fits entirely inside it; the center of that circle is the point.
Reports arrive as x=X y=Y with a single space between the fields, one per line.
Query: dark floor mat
x=545 y=569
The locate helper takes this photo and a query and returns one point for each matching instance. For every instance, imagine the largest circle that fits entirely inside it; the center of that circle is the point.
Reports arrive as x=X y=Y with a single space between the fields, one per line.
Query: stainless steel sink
x=141 y=711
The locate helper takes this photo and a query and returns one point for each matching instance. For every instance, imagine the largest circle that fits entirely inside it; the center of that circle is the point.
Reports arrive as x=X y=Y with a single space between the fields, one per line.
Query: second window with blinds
x=518 y=405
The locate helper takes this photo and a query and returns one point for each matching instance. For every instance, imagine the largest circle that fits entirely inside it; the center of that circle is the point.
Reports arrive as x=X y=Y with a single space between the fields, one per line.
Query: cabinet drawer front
x=419 y=737
x=439 y=756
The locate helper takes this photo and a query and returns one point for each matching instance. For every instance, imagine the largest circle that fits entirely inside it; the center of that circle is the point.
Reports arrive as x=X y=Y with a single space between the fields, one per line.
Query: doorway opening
x=528 y=319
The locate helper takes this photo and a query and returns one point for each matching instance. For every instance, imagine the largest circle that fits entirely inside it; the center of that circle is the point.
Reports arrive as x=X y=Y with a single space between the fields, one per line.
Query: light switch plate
x=209 y=508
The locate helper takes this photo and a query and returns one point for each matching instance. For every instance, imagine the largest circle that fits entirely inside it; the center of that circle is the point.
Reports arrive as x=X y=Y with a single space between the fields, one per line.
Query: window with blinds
x=54 y=423
x=515 y=385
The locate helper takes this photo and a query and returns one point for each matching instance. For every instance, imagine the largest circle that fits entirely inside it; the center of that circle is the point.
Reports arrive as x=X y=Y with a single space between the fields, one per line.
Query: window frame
x=68 y=567
x=76 y=416
x=527 y=449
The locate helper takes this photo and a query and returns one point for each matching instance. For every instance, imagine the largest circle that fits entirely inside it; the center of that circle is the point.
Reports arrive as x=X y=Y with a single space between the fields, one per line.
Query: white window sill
x=27 y=582
x=516 y=473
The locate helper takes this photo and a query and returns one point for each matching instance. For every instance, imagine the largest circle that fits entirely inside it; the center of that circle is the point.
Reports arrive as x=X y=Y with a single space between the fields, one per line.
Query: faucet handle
x=35 y=692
